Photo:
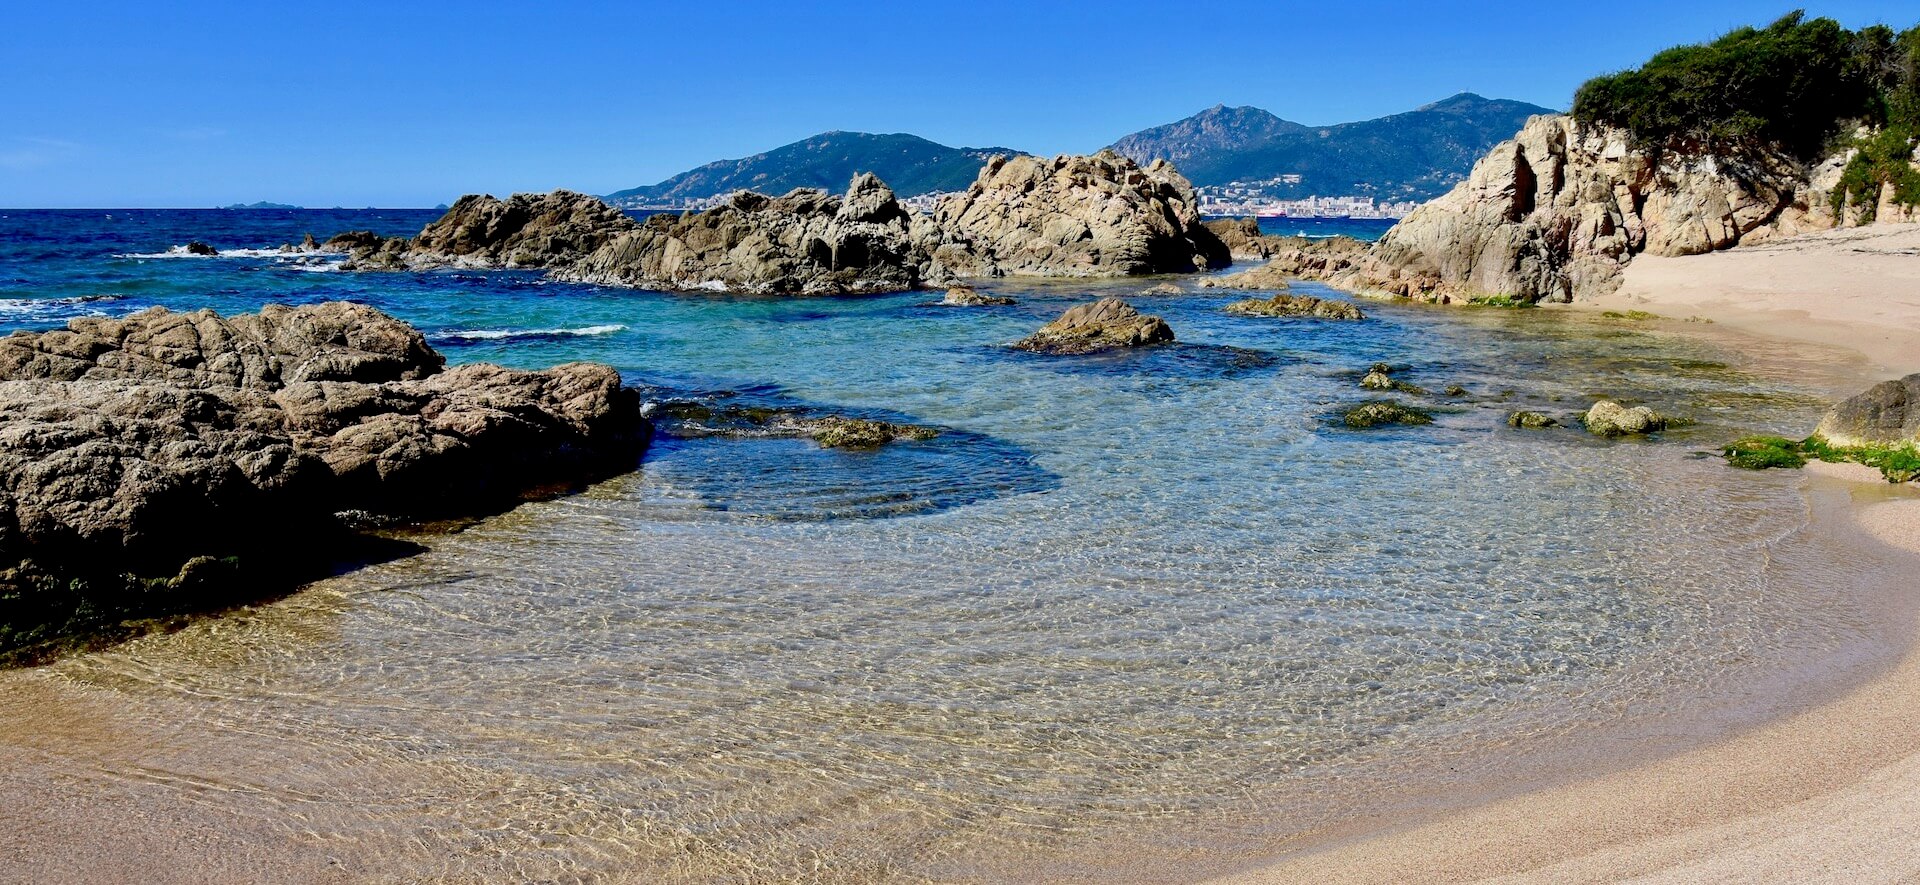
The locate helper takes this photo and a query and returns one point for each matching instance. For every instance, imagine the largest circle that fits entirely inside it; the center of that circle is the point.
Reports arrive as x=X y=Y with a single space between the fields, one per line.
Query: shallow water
x=1159 y=599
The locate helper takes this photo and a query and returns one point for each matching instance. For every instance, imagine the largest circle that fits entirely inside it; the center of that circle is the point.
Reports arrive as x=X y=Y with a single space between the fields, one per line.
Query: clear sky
x=414 y=103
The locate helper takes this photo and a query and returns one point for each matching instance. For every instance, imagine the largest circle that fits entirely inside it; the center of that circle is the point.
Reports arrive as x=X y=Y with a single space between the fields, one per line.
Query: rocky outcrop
x=1334 y=260
x=1303 y=306
x=968 y=296
x=805 y=243
x=132 y=449
x=1106 y=324
x=1074 y=216
x=1886 y=414
x=1556 y=213
x=524 y=230
x=1244 y=239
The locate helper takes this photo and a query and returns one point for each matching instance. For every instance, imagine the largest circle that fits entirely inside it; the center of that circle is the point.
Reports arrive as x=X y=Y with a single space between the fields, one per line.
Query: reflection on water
x=1149 y=600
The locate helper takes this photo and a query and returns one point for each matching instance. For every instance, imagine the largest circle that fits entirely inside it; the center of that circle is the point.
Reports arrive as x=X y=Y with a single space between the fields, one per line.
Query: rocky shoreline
x=165 y=462
x=1071 y=216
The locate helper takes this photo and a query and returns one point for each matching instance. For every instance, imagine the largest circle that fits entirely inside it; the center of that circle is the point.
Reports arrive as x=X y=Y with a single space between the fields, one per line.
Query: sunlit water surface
x=1131 y=616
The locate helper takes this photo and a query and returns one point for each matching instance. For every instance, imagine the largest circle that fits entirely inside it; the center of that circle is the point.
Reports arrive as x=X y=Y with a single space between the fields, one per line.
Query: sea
x=1138 y=616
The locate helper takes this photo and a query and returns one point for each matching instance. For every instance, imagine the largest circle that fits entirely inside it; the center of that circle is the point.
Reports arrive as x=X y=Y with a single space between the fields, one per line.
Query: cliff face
x=1558 y=211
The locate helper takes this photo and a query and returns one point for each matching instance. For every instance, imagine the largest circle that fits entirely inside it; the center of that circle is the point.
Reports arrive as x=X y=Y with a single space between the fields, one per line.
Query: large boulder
x=1244 y=239
x=132 y=449
x=805 y=243
x=524 y=230
x=1886 y=414
x=1106 y=324
x=1075 y=216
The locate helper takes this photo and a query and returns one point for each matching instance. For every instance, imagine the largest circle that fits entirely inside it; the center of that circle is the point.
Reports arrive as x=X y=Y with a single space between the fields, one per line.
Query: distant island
x=261 y=205
x=1241 y=160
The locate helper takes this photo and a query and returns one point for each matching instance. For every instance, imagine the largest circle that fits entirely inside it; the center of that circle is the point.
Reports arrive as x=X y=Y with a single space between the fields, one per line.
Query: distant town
x=1235 y=199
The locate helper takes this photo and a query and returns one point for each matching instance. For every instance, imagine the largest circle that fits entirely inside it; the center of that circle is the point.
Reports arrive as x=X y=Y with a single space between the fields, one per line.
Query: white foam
x=30 y=306
x=500 y=334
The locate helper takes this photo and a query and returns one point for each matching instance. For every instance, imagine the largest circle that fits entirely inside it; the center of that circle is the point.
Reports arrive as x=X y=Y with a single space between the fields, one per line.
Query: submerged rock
x=1074 y=216
x=836 y=432
x=132 y=448
x=967 y=296
x=1608 y=418
x=1383 y=412
x=1103 y=325
x=1165 y=289
x=1531 y=421
x=1303 y=306
x=1885 y=414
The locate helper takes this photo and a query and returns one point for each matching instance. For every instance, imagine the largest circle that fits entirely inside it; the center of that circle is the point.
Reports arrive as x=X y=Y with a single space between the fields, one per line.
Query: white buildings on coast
x=1240 y=199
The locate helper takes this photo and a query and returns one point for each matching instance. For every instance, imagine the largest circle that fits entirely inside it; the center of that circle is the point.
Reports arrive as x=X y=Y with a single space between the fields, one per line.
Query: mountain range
x=1416 y=155
x=909 y=164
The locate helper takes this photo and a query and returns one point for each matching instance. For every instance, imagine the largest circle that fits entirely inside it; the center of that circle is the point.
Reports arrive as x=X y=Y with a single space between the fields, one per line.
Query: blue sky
x=346 y=103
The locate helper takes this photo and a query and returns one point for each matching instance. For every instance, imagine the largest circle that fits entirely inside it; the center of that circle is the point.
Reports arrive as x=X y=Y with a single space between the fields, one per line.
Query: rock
x=1455 y=390
x=1165 y=289
x=1334 y=260
x=1383 y=412
x=1608 y=418
x=1377 y=380
x=1285 y=305
x=1886 y=414
x=1103 y=325
x=132 y=448
x=1244 y=240
x=836 y=432
x=967 y=296
x=1557 y=212
x=337 y=341
x=1073 y=216
x=196 y=247
x=306 y=245
x=1531 y=421
x=805 y=243
x=524 y=230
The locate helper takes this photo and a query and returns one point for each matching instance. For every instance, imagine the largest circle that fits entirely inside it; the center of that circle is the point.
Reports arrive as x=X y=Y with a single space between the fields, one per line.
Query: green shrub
x=1796 y=84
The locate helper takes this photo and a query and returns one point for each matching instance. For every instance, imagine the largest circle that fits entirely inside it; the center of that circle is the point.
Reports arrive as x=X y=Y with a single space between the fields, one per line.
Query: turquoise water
x=1159 y=597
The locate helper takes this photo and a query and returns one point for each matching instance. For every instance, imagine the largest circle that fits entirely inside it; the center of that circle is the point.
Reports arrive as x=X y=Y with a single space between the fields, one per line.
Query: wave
x=34 y=308
x=183 y=252
x=472 y=336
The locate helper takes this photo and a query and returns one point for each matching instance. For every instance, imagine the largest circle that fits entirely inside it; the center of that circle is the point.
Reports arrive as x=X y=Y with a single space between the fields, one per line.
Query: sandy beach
x=1828 y=794
x=1857 y=289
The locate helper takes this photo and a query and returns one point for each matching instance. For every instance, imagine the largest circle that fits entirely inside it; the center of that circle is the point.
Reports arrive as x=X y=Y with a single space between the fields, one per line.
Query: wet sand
x=1829 y=794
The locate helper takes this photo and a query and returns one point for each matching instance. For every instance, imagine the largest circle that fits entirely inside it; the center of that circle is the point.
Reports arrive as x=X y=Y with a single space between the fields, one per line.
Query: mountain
x=260 y=205
x=909 y=164
x=1417 y=155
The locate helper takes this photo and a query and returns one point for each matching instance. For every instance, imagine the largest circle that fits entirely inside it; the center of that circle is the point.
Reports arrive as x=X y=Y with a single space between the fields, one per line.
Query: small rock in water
x=1382 y=412
x=1285 y=305
x=836 y=432
x=1610 y=419
x=1531 y=421
x=198 y=248
x=968 y=296
x=1165 y=289
x=1103 y=325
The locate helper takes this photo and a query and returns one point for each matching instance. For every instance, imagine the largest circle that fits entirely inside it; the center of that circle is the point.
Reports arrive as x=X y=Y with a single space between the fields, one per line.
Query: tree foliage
x=1795 y=84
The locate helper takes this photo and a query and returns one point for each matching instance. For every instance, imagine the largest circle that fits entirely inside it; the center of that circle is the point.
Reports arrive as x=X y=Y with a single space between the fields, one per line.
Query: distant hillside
x=1417 y=155
x=260 y=205
x=911 y=165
